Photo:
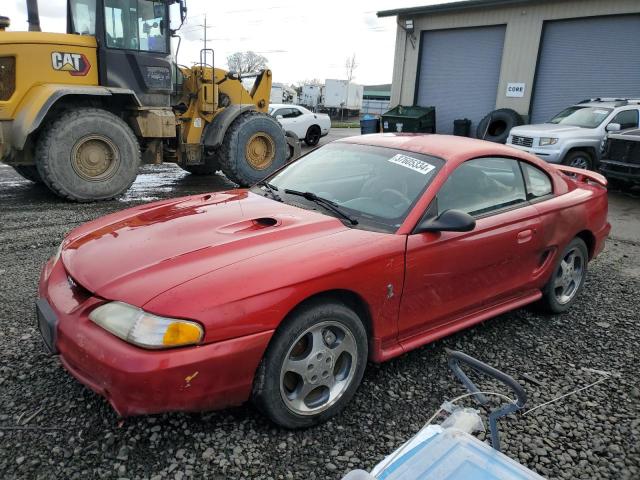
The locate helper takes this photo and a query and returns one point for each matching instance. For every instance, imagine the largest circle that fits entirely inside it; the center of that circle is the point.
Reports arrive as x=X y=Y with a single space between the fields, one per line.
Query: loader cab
x=134 y=44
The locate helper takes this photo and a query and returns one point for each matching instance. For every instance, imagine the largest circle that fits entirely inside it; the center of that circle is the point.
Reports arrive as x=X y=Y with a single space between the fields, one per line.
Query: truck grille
x=522 y=141
x=623 y=151
x=7 y=77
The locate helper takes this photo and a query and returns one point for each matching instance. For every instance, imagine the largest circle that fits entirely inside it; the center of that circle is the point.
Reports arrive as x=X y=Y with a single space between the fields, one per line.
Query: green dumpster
x=410 y=119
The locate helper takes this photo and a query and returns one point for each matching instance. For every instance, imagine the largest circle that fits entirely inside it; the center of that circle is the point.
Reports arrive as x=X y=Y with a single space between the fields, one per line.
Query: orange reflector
x=182 y=333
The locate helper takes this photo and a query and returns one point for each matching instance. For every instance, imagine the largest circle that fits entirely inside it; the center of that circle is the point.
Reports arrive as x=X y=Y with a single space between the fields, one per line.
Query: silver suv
x=576 y=135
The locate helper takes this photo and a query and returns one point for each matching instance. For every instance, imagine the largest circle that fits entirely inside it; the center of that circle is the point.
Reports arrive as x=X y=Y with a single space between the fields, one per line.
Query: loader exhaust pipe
x=33 y=17
x=4 y=23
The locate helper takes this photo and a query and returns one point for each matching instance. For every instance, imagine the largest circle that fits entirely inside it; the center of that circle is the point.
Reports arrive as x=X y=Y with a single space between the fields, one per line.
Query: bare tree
x=246 y=62
x=350 y=66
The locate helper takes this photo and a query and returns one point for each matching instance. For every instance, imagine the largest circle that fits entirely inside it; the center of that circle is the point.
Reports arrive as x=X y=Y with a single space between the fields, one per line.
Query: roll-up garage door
x=586 y=58
x=459 y=73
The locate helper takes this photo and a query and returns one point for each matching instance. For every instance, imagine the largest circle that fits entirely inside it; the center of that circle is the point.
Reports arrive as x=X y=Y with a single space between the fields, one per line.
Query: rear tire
x=88 y=154
x=253 y=148
x=579 y=159
x=327 y=343
x=28 y=172
x=567 y=279
x=313 y=136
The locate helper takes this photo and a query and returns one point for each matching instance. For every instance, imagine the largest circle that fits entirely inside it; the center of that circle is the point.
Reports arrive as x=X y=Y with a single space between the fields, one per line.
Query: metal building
x=536 y=57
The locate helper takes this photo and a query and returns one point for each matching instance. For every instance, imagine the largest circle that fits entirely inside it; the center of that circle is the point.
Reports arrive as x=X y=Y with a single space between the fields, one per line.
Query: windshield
x=377 y=186
x=135 y=25
x=585 y=117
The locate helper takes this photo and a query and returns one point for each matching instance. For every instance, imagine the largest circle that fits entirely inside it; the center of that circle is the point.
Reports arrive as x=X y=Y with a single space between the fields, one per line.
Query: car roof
x=282 y=105
x=450 y=148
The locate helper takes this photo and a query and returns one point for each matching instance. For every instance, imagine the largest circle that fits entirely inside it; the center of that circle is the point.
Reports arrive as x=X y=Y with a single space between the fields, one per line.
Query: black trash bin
x=462 y=127
x=369 y=125
x=410 y=119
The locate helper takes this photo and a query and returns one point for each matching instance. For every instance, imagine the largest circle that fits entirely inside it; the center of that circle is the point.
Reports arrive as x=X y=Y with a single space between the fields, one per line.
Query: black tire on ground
x=210 y=166
x=551 y=293
x=495 y=127
x=579 y=159
x=88 y=154
x=313 y=136
x=234 y=161
x=267 y=393
x=28 y=172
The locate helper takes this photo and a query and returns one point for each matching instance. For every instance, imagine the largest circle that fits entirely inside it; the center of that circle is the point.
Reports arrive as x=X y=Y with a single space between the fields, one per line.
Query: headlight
x=548 y=141
x=143 y=329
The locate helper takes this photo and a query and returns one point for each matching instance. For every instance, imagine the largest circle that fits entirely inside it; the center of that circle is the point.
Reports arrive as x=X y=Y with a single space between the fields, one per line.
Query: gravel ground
x=53 y=427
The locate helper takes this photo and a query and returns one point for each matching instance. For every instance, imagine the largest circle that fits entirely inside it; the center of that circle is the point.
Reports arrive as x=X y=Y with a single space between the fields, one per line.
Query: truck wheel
x=313 y=365
x=578 y=159
x=28 y=172
x=313 y=136
x=253 y=148
x=88 y=154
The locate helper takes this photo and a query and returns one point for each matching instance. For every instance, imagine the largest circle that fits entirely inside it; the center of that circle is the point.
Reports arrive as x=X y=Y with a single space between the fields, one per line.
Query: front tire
x=253 y=148
x=567 y=280
x=88 y=154
x=579 y=159
x=313 y=365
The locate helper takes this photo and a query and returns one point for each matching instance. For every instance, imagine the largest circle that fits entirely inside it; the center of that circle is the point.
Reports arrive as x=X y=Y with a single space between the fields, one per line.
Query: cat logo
x=74 y=63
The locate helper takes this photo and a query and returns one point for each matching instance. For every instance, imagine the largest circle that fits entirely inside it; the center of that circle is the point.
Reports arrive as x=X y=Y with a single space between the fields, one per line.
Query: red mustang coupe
x=361 y=250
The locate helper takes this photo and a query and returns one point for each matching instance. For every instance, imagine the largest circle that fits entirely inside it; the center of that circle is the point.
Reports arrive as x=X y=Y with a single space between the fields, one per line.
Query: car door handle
x=525 y=235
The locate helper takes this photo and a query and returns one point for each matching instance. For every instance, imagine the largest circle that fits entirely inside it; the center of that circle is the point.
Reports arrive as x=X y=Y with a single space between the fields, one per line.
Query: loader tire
x=88 y=154
x=253 y=148
x=28 y=172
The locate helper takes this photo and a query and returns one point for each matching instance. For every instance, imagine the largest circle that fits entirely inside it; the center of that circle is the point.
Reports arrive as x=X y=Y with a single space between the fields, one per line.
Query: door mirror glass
x=448 y=221
x=614 y=127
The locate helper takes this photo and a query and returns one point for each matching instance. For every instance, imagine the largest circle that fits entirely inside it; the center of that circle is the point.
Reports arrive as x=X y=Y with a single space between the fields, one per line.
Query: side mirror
x=613 y=127
x=279 y=117
x=448 y=221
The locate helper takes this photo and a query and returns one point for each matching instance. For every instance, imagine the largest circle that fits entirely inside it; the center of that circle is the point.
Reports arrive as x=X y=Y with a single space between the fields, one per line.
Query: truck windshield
x=136 y=25
x=585 y=117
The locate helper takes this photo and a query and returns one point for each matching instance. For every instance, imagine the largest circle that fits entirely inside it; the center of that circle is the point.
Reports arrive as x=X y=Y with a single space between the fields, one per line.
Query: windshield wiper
x=326 y=203
x=272 y=189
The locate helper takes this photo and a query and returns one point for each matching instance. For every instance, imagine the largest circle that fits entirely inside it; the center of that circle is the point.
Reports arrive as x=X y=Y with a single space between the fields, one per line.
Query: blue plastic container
x=369 y=125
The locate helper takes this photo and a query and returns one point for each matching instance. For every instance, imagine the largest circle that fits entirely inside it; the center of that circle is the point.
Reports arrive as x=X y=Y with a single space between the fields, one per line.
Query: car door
x=453 y=274
x=283 y=115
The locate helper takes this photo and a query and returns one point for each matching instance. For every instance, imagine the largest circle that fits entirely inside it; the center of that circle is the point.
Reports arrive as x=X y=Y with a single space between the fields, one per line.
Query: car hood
x=135 y=255
x=541 y=129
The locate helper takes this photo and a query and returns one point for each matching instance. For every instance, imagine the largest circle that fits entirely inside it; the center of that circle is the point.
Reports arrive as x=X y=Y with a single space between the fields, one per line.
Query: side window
x=295 y=113
x=483 y=185
x=291 y=113
x=281 y=111
x=626 y=119
x=538 y=183
x=135 y=25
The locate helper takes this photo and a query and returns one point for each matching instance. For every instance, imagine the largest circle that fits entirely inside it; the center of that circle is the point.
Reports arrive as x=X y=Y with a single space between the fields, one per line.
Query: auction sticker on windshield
x=419 y=166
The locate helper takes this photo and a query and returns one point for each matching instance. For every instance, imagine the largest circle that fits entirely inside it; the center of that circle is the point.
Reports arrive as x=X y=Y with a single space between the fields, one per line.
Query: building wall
x=521 y=44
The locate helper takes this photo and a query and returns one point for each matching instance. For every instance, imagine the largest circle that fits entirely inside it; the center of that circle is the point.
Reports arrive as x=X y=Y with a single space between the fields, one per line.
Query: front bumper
x=137 y=381
x=628 y=172
x=547 y=154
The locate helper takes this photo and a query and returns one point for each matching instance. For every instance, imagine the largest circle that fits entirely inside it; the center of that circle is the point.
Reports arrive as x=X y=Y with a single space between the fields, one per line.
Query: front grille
x=7 y=77
x=521 y=141
x=623 y=151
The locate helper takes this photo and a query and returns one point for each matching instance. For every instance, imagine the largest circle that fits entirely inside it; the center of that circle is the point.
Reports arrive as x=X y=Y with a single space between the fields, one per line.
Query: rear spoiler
x=582 y=175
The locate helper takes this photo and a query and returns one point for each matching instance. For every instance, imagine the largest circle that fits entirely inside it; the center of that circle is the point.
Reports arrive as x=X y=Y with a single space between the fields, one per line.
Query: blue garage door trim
x=459 y=72
x=586 y=58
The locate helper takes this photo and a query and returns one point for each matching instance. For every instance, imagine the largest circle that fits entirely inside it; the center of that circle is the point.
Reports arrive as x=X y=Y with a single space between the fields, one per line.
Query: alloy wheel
x=318 y=368
x=569 y=276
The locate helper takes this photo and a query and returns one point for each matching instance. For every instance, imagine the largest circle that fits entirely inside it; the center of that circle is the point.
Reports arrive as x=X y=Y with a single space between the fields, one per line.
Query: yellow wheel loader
x=80 y=111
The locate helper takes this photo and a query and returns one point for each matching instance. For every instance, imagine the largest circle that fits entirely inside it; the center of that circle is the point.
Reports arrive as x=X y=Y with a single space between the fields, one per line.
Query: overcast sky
x=301 y=40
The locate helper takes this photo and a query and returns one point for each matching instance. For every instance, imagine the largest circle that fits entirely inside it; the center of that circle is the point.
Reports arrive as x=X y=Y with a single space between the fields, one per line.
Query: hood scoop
x=251 y=225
